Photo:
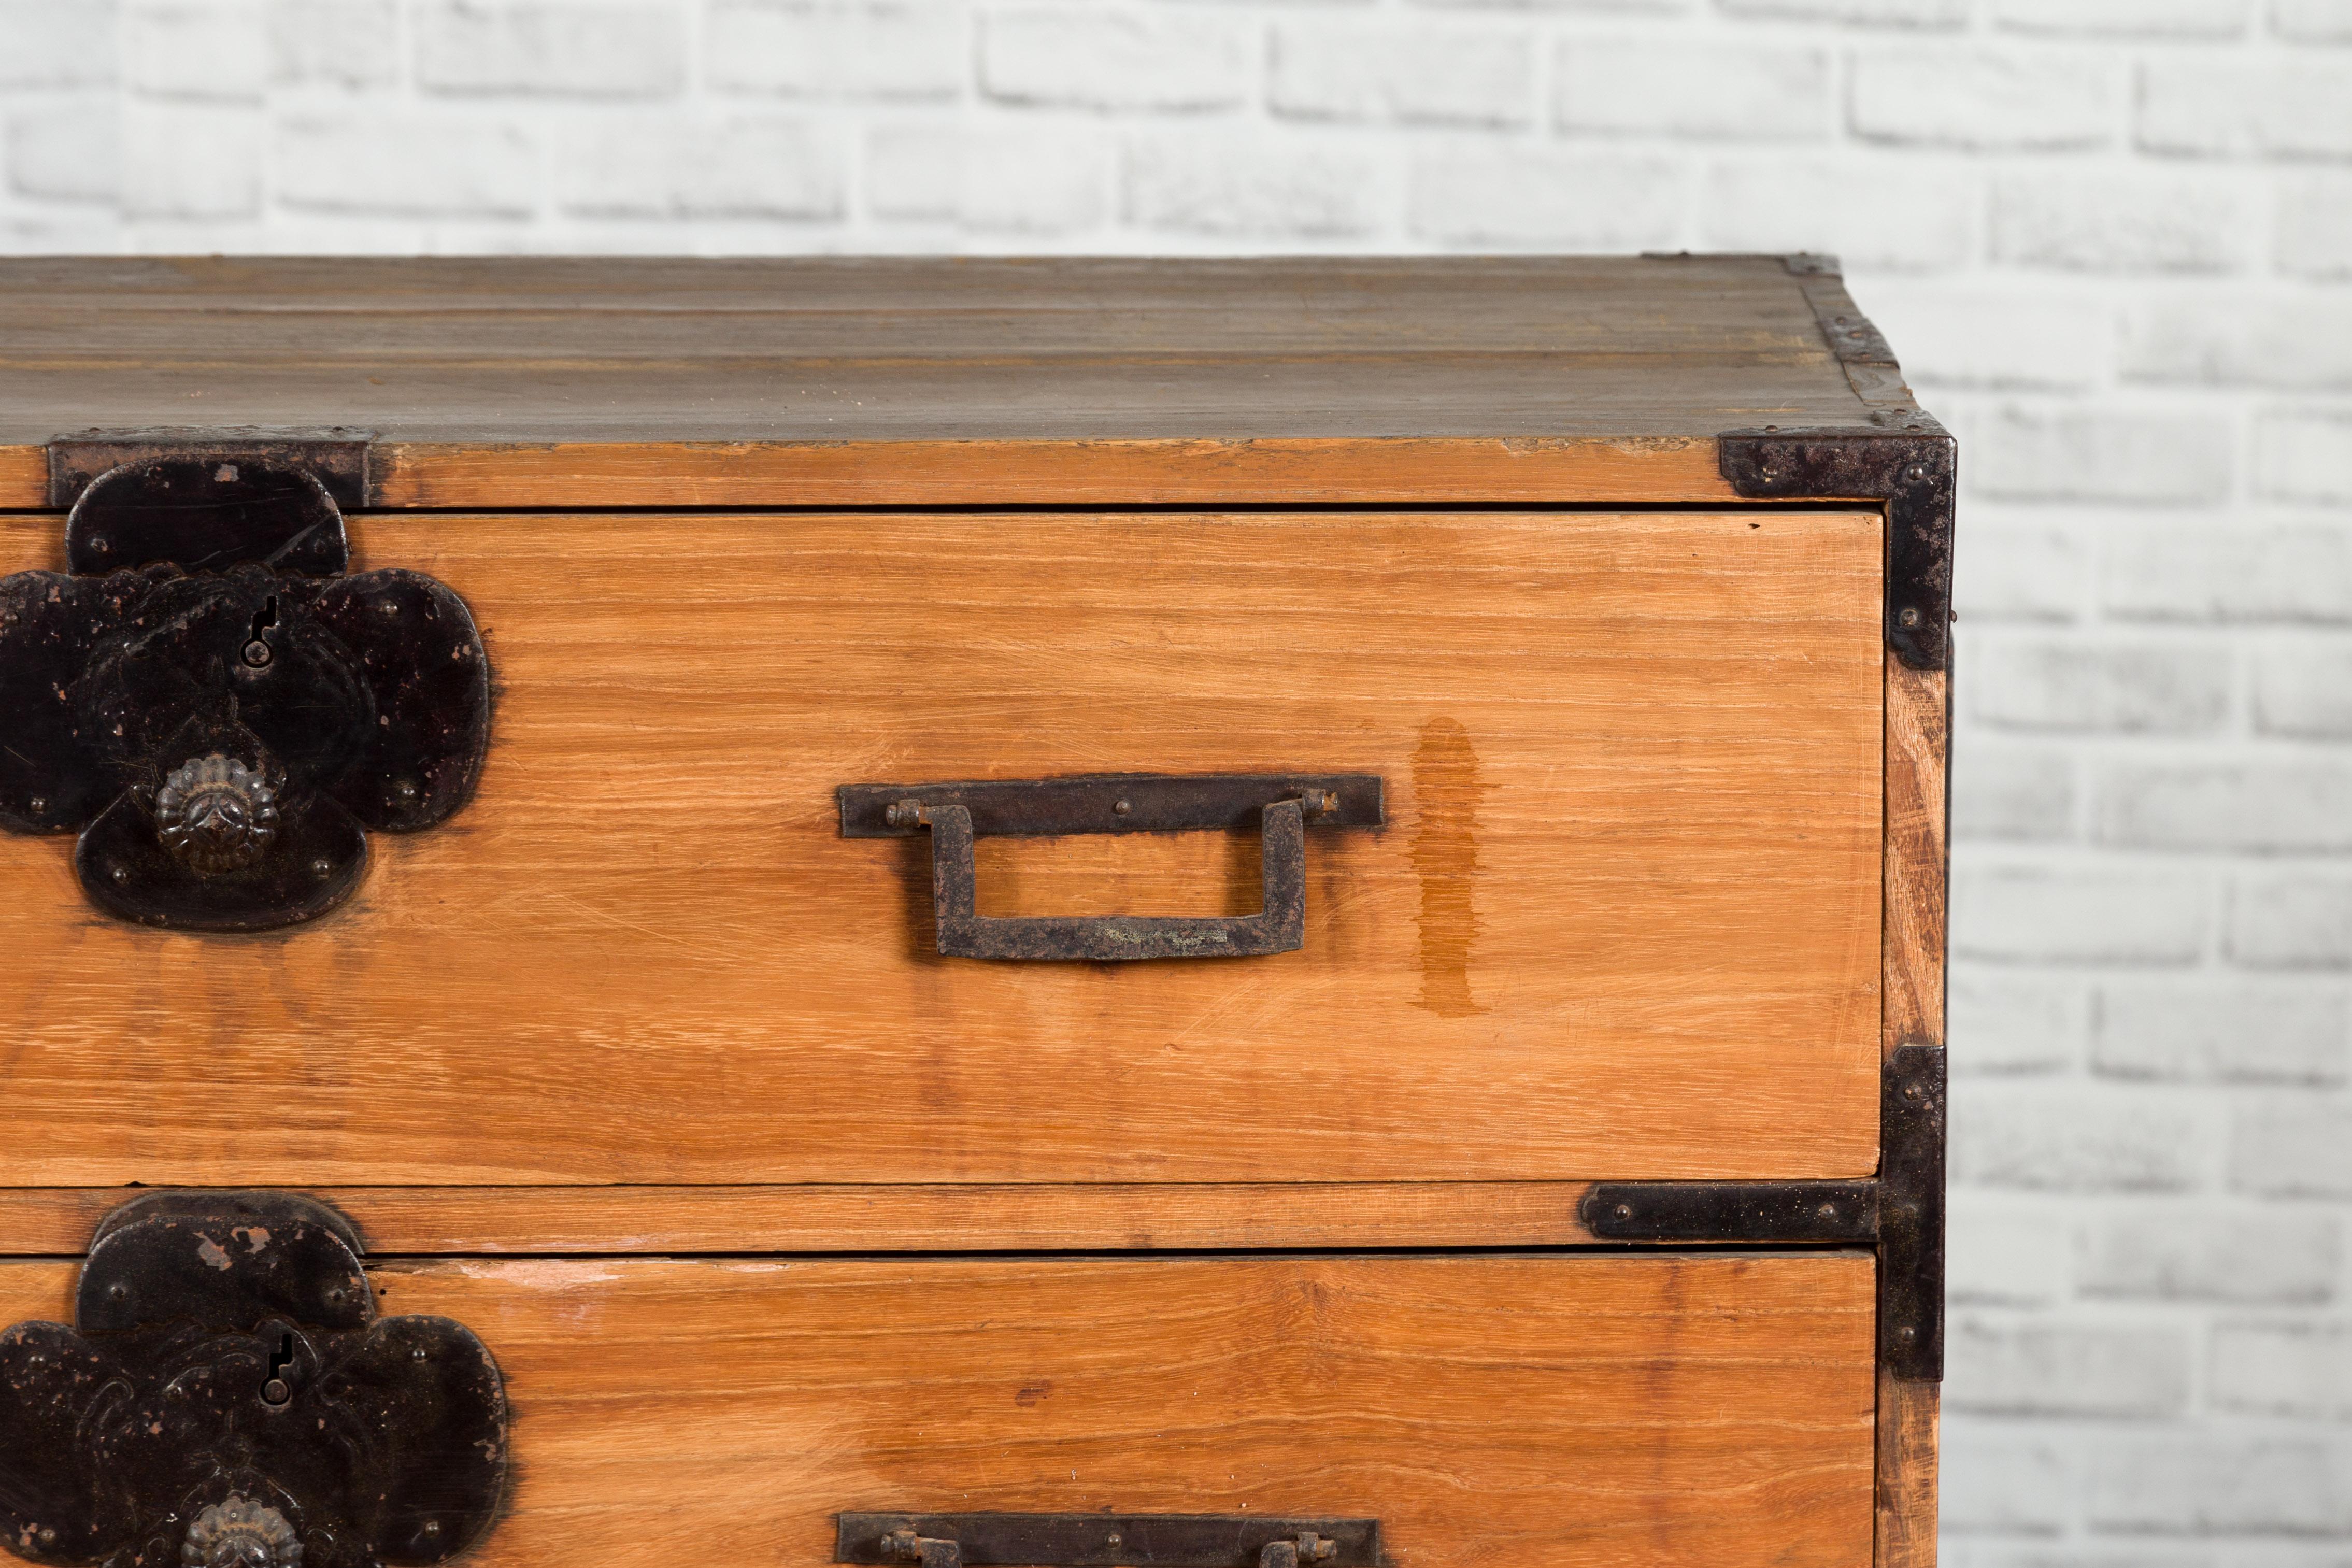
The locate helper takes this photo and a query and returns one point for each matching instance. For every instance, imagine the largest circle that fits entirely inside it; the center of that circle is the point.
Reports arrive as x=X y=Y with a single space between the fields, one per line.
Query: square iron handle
x=1284 y=806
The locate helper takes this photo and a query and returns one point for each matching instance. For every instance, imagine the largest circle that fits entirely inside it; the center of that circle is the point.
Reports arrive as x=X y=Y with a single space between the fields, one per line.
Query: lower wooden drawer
x=1708 y=1410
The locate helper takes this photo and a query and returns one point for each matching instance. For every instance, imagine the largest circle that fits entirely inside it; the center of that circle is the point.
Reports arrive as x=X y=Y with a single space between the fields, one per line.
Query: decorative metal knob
x=241 y=1534
x=216 y=815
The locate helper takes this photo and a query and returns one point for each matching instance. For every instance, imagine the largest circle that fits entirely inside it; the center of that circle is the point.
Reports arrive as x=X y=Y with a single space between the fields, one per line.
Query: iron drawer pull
x=955 y=814
x=1106 y=1540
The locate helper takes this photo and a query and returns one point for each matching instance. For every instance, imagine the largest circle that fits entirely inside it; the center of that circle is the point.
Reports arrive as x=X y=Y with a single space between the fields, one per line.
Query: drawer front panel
x=1703 y=1411
x=1622 y=921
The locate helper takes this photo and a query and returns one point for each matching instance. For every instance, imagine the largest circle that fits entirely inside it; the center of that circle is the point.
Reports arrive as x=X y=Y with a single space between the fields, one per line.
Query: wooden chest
x=1060 y=912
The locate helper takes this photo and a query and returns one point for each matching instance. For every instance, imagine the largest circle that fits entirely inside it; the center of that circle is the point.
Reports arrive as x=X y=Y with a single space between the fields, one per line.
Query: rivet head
x=1916 y=472
x=1624 y=1211
x=117 y=875
x=38 y=804
x=118 y=1292
x=1909 y=616
x=322 y=868
x=1907 y=1333
x=1120 y=808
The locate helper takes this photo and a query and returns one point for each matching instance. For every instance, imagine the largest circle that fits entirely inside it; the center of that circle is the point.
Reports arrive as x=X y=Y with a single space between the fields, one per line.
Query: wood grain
x=846 y=1217
x=536 y=350
x=1391 y=471
x=1624 y=921
x=1918 y=737
x=1665 y=1412
x=1906 y=1534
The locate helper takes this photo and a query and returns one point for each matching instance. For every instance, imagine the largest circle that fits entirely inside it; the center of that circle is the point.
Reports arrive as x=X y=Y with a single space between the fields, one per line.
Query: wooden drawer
x=1623 y=919
x=1709 y=1411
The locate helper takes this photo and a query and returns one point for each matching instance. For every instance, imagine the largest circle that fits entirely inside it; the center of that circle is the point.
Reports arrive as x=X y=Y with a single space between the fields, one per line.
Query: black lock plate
x=226 y=1397
x=222 y=712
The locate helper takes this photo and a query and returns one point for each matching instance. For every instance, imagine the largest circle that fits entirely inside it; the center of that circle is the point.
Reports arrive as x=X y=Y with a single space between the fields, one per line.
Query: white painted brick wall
x=2112 y=240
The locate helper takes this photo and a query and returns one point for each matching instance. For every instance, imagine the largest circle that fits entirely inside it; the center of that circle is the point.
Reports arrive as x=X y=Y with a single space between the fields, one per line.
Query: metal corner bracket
x=1900 y=1212
x=1901 y=458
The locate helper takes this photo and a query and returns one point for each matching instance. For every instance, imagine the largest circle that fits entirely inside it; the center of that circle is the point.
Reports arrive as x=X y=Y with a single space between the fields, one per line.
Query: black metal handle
x=1106 y=1540
x=1116 y=803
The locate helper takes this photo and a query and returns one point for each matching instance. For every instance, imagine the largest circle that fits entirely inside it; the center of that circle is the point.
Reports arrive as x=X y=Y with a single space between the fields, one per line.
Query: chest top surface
x=563 y=350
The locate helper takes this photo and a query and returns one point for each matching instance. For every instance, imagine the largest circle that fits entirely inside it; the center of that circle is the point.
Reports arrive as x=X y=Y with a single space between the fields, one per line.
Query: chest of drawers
x=1085 y=913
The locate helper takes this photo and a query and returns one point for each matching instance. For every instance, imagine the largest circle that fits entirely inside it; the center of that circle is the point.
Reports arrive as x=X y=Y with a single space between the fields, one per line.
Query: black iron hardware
x=1105 y=1541
x=1901 y=1212
x=1902 y=458
x=1282 y=806
x=227 y=1398
x=217 y=708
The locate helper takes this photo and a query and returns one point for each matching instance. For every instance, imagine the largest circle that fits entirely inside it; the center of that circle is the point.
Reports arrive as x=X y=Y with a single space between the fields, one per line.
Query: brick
x=569 y=48
x=1544 y=199
x=1869 y=214
x=2315 y=224
x=191 y=161
x=1114 y=60
x=2246 y=1257
x=2283 y=1369
x=2036 y=1554
x=1746 y=90
x=335 y=43
x=1983 y=99
x=2117 y=221
x=2005 y=1255
x=2045 y=914
x=2018 y=571
x=58 y=43
x=2037 y=1367
x=1572 y=7
x=2017 y=1133
x=1986 y=339
x=1348 y=70
x=837 y=49
x=663 y=168
x=2292 y=921
x=2230 y=1032
x=2303 y=687
x=2126 y=18
x=2313 y=21
x=1226 y=185
x=2014 y=1023
x=2036 y=682
x=2219 y=1485
x=2298 y=1148
x=2304 y=457
x=2015 y=792
x=2259 y=807
x=2069 y=454
x=2285 y=106
x=70 y=152
x=1002 y=180
x=417 y=165
x=2201 y=341
x=1918 y=14
x=2224 y=573
x=206 y=50
x=2009 y=1484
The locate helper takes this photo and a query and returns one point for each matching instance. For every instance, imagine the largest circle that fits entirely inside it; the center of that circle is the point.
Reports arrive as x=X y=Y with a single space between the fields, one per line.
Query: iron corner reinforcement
x=1900 y=1212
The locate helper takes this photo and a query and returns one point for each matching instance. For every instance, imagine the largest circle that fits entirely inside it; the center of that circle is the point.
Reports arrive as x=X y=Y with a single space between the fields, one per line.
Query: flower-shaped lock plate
x=218 y=708
x=227 y=1398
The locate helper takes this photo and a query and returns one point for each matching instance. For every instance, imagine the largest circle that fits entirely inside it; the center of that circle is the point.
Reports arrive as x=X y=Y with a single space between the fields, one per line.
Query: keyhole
x=257 y=652
x=276 y=1391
